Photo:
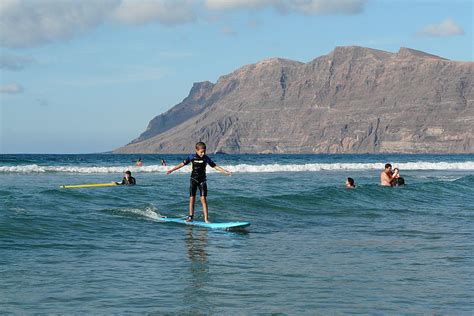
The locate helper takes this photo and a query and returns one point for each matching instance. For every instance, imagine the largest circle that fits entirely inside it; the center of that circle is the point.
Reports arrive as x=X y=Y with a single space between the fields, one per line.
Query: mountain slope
x=353 y=100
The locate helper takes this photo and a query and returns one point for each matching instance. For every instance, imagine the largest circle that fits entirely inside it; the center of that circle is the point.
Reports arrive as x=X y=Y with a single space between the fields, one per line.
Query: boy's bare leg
x=191 y=207
x=204 y=209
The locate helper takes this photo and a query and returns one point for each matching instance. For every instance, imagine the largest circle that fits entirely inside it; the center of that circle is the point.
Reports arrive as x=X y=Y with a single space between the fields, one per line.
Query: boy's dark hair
x=128 y=172
x=351 y=181
x=387 y=165
x=200 y=145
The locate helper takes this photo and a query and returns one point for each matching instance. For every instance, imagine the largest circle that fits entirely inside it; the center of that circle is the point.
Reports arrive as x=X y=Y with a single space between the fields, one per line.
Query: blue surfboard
x=226 y=225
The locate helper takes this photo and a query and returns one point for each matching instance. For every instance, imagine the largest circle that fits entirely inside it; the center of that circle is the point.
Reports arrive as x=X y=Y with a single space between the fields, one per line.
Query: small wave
x=79 y=169
x=420 y=165
x=148 y=212
x=244 y=168
x=468 y=180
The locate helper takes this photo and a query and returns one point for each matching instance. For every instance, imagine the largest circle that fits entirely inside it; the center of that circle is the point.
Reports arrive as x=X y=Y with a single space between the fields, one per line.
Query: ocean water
x=314 y=247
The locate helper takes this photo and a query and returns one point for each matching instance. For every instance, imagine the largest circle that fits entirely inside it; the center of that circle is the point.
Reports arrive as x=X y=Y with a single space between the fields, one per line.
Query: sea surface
x=313 y=247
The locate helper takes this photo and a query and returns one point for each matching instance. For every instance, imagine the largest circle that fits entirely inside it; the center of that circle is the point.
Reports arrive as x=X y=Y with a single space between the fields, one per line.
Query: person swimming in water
x=399 y=181
x=139 y=162
x=387 y=177
x=350 y=184
x=127 y=179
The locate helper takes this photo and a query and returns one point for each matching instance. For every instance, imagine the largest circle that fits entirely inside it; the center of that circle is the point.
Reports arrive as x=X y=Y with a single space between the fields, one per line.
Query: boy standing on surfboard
x=199 y=161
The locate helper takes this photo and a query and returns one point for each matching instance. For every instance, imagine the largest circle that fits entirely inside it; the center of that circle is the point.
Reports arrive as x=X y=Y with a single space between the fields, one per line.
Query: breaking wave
x=242 y=168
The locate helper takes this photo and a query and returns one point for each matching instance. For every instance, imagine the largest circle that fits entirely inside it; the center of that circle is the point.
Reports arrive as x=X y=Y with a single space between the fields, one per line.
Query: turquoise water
x=313 y=246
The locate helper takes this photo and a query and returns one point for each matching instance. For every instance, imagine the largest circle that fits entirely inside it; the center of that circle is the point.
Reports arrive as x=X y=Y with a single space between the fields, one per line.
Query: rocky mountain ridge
x=352 y=100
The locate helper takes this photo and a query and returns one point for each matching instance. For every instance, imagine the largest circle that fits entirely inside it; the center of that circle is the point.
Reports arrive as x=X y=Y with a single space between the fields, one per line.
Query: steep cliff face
x=353 y=100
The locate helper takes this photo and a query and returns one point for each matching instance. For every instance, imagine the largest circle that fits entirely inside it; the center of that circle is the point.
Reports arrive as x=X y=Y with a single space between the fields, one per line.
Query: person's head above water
x=388 y=167
x=128 y=173
x=200 y=149
x=139 y=162
x=350 y=183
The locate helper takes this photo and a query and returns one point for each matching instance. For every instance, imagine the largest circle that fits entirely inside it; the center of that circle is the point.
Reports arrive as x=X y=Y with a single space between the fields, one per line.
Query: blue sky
x=88 y=76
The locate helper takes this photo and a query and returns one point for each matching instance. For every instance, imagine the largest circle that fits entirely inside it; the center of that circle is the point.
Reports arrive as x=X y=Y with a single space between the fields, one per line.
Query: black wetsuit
x=198 y=173
x=129 y=181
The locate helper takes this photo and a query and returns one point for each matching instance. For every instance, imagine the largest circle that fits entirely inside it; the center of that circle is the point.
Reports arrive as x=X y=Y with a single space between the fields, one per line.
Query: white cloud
x=29 y=23
x=26 y=23
x=238 y=4
x=14 y=63
x=11 y=88
x=314 y=7
x=307 y=7
x=146 y=11
x=446 y=28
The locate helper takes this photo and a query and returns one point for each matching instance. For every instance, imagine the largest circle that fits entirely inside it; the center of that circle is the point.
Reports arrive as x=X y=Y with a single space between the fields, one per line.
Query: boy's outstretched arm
x=175 y=168
x=220 y=169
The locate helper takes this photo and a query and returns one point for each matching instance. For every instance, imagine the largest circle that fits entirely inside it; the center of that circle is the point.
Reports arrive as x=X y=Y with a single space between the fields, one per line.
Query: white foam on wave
x=81 y=169
x=149 y=212
x=244 y=168
x=420 y=165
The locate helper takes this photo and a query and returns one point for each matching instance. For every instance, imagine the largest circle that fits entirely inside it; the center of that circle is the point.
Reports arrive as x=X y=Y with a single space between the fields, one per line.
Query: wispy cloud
x=30 y=23
x=307 y=7
x=11 y=88
x=238 y=4
x=316 y=7
x=146 y=11
x=26 y=23
x=14 y=63
x=444 y=29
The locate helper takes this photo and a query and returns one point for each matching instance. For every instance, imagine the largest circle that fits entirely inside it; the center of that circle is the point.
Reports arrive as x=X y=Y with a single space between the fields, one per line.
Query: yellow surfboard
x=91 y=185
